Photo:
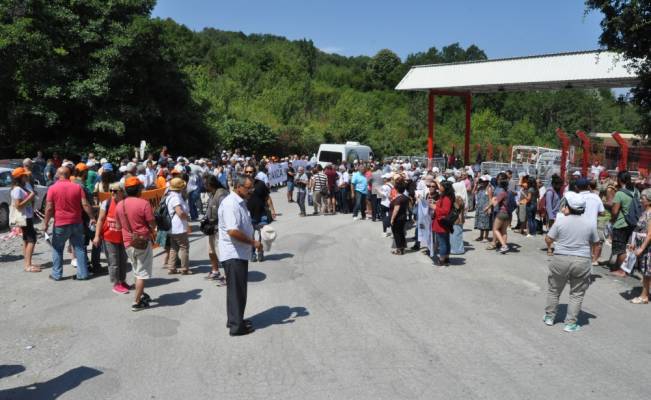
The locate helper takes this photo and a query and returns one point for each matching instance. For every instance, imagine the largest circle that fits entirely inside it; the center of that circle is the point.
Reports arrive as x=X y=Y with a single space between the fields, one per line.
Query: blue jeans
x=443 y=240
x=74 y=232
x=531 y=219
x=360 y=204
x=193 y=198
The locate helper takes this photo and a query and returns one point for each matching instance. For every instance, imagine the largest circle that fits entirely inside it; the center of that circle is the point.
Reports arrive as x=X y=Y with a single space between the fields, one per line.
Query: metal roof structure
x=589 y=69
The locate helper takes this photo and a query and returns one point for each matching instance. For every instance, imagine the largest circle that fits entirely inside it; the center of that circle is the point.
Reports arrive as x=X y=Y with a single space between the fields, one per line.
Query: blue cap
x=582 y=182
x=107 y=167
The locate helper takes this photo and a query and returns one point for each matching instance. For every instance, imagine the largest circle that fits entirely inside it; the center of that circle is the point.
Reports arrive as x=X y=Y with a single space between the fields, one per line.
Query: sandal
x=639 y=300
x=398 y=252
x=172 y=272
x=186 y=272
x=550 y=253
x=33 y=268
x=479 y=239
x=491 y=247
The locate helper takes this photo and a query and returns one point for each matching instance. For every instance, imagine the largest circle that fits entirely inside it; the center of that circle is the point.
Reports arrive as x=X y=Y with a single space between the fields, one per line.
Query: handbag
x=207 y=227
x=137 y=241
x=16 y=216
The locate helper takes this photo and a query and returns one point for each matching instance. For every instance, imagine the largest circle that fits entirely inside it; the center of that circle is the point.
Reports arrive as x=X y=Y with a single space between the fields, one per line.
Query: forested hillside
x=74 y=75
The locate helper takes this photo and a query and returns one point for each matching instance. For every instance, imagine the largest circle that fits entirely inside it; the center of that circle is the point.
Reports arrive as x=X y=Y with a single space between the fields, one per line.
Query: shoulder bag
x=137 y=241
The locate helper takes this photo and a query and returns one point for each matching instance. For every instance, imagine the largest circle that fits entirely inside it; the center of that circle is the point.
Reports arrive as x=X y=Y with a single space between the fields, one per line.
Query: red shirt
x=110 y=233
x=139 y=215
x=332 y=176
x=66 y=197
x=443 y=208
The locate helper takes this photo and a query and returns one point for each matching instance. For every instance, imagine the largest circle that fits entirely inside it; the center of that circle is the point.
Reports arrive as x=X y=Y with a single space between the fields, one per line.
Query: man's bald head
x=63 y=173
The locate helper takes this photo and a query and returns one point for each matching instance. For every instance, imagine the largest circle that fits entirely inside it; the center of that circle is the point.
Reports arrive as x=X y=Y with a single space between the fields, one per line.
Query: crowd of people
x=578 y=214
x=232 y=196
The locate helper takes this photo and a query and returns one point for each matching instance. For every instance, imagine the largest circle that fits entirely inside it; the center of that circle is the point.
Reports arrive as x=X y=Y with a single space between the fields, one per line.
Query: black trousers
x=237 y=272
x=398 y=230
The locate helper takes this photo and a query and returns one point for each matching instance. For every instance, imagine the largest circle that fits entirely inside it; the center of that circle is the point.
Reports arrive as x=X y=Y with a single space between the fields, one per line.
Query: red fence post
x=430 y=126
x=623 y=154
x=586 y=152
x=466 y=146
x=565 y=147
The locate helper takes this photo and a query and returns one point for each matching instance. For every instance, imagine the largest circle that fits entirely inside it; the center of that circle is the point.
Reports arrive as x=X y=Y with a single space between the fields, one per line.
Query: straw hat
x=177 y=184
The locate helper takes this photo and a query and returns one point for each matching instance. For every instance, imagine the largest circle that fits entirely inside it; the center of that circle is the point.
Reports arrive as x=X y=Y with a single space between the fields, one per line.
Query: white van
x=349 y=152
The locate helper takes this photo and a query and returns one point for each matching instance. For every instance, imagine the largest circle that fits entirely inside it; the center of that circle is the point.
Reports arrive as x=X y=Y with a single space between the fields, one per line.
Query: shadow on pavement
x=629 y=295
x=153 y=282
x=54 y=388
x=583 y=319
x=278 y=315
x=178 y=298
x=10 y=258
x=278 y=256
x=256 y=276
x=10 y=369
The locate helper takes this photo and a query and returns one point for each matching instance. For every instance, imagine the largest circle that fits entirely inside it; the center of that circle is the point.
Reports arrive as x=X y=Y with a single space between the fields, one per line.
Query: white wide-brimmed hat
x=267 y=235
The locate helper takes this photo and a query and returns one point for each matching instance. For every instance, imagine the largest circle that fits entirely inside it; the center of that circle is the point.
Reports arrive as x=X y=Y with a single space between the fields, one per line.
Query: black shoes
x=247 y=330
x=142 y=304
x=247 y=323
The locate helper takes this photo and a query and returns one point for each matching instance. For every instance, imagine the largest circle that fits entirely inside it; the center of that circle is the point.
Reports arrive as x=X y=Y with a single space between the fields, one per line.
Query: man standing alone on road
x=573 y=237
x=65 y=201
x=235 y=246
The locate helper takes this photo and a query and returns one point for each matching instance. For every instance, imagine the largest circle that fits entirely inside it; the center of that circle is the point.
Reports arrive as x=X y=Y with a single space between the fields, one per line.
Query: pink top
x=66 y=197
x=139 y=214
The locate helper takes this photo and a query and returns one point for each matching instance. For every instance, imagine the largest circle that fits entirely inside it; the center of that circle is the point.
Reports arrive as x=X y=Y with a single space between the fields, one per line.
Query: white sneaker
x=356 y=218
x=74 y=262
x=528 y=235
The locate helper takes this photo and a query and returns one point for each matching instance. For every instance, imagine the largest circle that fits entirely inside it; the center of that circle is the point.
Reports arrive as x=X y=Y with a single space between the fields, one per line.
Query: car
x=5 y=196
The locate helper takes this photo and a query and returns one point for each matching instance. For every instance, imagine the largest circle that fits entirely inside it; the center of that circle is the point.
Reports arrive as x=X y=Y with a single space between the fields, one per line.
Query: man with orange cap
x=135 y=218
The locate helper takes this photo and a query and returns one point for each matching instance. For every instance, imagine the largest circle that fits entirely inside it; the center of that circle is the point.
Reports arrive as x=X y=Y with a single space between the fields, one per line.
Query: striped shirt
x=320 y=182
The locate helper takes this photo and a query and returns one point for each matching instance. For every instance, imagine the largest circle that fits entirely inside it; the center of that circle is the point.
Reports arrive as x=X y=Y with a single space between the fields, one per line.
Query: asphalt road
x=337 y=317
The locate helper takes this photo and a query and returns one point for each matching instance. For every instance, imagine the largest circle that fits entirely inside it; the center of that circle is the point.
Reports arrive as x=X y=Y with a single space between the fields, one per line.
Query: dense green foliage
x=95 y=73
x=627 y=30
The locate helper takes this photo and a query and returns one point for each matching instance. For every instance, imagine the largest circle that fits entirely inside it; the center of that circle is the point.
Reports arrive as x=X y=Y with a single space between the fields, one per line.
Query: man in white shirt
x=235 y=243
x=596 y=169
x=594 y=207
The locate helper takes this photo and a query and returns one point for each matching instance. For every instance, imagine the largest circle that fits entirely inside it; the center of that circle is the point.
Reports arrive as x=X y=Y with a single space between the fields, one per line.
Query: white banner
x=277 y=174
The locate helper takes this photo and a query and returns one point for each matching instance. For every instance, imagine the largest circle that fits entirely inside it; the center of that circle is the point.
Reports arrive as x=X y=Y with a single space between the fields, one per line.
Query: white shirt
x=178 y=225
x=595 y=170
x=192 y=183
x=593 y=206
x=262 y=177
x=385 y=193
x=233 y=214
x=151 y=177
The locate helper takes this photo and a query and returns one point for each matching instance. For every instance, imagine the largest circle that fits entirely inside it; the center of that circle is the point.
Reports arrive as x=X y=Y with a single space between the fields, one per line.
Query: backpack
x=207 y=225
x=634 y=210
x=511 y=203
x=162 y=216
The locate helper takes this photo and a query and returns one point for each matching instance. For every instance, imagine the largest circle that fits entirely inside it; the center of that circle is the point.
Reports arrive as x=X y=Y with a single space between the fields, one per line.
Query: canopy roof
x=589 y=69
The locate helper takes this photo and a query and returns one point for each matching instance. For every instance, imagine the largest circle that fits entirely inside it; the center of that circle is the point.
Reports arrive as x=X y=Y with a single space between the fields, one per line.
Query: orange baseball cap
x=20 y=171
x=81 y=167
x=132 y=181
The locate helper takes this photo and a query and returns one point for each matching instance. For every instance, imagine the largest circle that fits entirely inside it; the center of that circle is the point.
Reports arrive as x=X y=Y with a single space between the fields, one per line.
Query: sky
x=502 y=28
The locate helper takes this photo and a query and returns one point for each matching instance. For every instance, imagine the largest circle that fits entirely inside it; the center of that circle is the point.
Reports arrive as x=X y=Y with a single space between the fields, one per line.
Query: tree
x=626 y=28
x=381 y=69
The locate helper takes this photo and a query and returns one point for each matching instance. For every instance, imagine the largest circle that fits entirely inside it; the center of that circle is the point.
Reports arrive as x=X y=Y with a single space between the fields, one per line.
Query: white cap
x=486 y=178
x=576 y=173
x=436 y=170
x=90 y=163
x=123 y=168
x=575 y=201
x=452 y=180
x=103 y=161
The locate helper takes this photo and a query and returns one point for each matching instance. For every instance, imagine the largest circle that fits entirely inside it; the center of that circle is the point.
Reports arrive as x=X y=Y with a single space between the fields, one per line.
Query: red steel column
x=466 y=146
x=585 y=162
x=623 y=154
x=430 y=126
x=565 y=147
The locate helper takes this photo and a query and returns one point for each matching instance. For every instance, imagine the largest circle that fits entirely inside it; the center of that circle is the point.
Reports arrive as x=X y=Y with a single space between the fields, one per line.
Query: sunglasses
x=248 y=172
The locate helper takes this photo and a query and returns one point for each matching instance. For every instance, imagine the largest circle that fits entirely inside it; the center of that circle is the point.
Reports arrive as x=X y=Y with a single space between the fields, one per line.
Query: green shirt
x=625 y=201
x=90 y=180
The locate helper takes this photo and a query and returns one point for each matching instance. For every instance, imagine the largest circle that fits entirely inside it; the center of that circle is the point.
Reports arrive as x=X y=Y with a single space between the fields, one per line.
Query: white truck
x=349 y=152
